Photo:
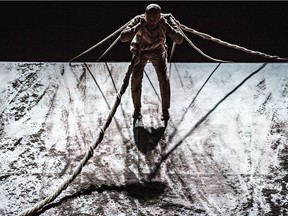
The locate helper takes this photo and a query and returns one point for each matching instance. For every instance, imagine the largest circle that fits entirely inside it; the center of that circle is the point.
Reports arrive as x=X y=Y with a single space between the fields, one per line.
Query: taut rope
x=99 y=43
x=124 y=86
x=198 y=50
x=234 y=46
x=109 y=48
x=90 y=152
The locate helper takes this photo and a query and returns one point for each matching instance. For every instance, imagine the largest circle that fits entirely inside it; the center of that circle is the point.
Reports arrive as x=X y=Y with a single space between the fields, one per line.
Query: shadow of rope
x=140 y=191
x=190 y=105
x=164 y=157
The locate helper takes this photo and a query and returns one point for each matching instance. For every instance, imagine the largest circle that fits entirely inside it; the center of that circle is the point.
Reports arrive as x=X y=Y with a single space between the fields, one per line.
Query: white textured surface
x=234 y=163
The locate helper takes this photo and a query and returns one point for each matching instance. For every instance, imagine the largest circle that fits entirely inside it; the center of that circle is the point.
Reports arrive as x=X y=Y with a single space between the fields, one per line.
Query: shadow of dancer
x=139 y=191
x=146 y=139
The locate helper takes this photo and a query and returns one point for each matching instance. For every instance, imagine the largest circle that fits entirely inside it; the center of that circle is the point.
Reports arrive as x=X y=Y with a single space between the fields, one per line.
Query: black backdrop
x=58 y=31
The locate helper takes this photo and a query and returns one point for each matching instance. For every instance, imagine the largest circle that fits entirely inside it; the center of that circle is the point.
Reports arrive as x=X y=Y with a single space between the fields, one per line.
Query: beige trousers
x=158 y=58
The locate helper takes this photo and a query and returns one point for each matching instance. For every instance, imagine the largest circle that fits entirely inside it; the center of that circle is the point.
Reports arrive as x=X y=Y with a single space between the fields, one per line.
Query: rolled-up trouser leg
x=136 y=84
x=159 y=61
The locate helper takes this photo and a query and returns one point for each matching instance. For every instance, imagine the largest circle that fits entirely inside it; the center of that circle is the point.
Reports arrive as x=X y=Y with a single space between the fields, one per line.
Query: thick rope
x=102 y=41
x=124 y=86
x=234 y=46
x=170 y=16
x=198 y=50
x=90 y=152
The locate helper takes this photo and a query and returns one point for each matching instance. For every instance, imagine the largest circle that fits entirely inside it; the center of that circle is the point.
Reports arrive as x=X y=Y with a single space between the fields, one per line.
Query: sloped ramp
x=231 y=162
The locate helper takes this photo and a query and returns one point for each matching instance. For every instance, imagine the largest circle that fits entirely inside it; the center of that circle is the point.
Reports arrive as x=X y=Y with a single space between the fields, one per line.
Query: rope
x=99 y=43
x=234 y=46
x=124 y=86
x=198 y=50
x=171 y=17
x=170 y=59
x=172 y=51
x=109 y=48
x=111 y=76
x=90 y=152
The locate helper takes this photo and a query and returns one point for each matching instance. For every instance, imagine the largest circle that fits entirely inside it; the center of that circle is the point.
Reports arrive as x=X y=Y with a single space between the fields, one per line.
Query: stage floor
x=224 y=150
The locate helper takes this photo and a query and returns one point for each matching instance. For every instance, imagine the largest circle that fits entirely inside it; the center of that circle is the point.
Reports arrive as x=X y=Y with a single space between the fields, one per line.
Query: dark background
x=59 y=31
